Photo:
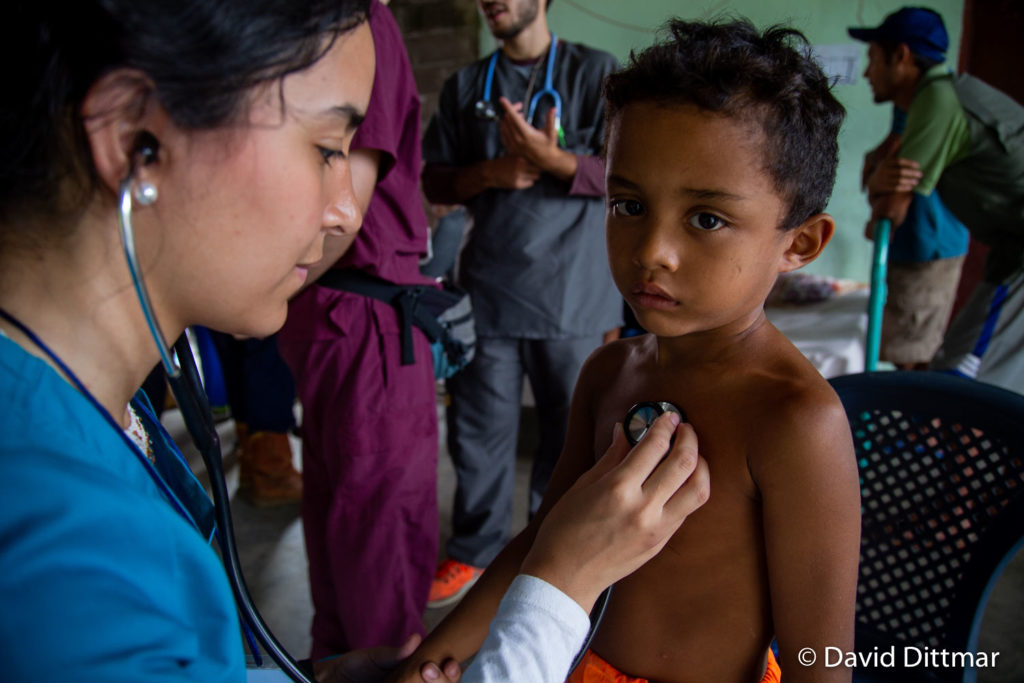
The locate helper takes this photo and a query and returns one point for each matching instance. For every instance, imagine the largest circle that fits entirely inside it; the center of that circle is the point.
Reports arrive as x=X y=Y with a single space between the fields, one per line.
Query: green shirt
x=937 y=133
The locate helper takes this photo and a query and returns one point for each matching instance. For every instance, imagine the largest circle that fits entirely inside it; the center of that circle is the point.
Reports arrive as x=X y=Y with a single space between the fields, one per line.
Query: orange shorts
x=593 y=669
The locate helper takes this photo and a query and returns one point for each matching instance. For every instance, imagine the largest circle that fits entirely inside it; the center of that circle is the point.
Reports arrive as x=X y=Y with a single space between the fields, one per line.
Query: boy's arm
x=806 y=471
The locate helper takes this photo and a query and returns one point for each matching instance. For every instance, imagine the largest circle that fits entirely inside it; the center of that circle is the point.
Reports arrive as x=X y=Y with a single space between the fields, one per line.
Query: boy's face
x=693 y=220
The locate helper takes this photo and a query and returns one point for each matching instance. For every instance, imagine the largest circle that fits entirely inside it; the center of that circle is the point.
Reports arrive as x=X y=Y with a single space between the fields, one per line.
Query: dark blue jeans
x=260 y=388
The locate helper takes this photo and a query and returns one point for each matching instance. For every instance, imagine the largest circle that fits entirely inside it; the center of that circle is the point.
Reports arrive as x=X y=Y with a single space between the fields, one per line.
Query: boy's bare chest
x=720 y=411
x=709 y=583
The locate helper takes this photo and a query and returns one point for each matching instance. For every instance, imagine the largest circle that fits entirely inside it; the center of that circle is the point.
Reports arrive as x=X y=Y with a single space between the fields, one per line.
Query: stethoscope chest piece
x=640 y=417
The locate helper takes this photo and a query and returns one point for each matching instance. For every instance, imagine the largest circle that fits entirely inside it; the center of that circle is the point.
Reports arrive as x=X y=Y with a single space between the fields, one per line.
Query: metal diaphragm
x=640 y=417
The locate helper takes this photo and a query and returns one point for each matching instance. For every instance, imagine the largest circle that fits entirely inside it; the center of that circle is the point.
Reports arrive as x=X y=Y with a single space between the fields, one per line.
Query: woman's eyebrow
x=350 y=114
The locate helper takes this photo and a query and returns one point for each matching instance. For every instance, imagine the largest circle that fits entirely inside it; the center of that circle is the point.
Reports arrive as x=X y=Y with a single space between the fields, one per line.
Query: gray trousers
x=483 y=430
x=984 y=340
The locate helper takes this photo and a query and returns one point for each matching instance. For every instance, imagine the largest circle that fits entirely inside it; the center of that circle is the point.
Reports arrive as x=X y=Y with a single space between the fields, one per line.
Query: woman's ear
x=806 y=242
x=118 y=111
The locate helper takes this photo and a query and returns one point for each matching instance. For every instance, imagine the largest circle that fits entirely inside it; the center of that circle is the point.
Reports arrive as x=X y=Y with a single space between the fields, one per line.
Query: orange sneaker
x=451 y=581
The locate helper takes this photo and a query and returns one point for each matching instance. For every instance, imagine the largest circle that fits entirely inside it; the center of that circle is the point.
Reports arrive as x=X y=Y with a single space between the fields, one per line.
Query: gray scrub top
x=534 y=262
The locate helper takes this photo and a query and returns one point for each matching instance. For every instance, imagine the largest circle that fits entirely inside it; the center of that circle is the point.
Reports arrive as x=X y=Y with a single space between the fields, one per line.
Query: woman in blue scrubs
x=211 y=138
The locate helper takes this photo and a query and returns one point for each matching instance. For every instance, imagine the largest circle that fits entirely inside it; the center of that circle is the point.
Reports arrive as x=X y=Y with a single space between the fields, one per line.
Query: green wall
x=619 y=26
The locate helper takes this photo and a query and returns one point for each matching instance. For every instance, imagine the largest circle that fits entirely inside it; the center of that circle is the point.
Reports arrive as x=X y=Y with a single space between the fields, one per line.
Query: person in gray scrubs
x=534 y=263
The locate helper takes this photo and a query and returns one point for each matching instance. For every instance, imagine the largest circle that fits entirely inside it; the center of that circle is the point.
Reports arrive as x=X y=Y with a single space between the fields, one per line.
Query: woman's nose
x=342 y=215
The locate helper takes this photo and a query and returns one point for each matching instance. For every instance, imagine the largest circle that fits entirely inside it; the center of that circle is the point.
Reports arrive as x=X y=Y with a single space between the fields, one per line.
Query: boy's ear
x=806 y=242
x=118 y=107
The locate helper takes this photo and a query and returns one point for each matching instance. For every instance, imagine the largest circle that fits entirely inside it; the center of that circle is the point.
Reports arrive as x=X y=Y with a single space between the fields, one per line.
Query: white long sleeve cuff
x=534 y=637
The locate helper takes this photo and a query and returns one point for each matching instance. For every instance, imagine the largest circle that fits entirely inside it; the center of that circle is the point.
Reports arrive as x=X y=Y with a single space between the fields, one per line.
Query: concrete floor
x=273 y=557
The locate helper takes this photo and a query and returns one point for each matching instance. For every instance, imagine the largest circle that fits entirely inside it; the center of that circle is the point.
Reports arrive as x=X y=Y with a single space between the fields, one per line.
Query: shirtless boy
x=721 y=155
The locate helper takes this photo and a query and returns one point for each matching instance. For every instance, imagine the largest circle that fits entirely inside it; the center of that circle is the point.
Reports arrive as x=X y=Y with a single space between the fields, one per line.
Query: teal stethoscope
x=485 y=106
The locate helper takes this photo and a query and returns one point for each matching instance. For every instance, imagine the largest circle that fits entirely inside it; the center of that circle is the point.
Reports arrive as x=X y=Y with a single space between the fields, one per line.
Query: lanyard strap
x=139 y=455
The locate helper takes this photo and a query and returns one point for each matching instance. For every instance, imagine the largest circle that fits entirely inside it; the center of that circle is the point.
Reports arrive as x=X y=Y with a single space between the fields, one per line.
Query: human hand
x=520 y=137
x=373 y=665
x=894 y=175
x=511 y=172
x=621 y=512
x=869 y=230
x=873 y=158
x=891 y=205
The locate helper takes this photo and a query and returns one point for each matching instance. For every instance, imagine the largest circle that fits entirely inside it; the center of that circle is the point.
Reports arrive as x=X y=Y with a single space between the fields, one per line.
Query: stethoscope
x=484 y=107
x=197 y=415
x=183 y=378
x=194 y=404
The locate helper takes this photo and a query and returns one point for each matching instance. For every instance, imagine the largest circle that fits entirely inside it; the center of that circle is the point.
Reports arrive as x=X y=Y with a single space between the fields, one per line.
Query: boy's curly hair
x=730 y=68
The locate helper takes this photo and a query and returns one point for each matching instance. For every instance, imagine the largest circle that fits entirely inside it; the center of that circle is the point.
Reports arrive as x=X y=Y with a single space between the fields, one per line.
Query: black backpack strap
x=402 y=299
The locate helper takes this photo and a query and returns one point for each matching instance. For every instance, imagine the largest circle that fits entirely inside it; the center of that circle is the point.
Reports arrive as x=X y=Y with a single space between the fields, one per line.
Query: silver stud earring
x=145 y=193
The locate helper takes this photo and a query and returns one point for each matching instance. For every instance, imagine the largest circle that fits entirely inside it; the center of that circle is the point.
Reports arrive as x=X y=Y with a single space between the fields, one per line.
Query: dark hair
x=770 y=78
x=203 y=57
x=891 y=47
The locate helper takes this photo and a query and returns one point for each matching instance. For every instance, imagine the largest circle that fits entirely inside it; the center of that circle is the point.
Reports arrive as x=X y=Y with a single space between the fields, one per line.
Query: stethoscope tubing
x=548 y=89
x=198 y=418
x=188 y=391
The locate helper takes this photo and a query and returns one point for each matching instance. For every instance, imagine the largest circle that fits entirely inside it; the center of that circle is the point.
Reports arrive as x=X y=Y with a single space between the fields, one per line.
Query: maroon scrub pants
x=369 y=468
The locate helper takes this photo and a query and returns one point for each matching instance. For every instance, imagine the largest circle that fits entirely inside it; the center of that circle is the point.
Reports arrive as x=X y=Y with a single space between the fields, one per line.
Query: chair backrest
x=941 y=462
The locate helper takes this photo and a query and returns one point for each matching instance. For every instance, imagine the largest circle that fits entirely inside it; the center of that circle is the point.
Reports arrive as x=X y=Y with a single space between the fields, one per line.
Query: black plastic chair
x=941 y=462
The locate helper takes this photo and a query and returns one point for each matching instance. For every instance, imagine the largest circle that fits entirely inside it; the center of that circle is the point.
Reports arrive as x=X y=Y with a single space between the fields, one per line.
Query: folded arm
x=890 y=188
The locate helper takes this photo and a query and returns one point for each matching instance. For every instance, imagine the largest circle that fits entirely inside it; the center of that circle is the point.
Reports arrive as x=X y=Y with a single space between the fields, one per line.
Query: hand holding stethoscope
x=517 y=130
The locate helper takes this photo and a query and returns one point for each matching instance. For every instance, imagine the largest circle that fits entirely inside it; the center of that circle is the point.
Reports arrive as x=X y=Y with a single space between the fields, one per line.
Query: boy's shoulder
x=792 y=408
x=613 y=355
x=614 y=364
x=787 y=375
x=778 y=390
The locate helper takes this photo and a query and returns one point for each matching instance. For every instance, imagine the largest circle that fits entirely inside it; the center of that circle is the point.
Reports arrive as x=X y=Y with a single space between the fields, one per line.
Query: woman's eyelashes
x=329 y=154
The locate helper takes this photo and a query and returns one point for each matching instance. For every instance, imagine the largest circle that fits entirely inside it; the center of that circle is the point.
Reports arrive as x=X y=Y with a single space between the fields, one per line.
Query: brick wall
x=441 y=36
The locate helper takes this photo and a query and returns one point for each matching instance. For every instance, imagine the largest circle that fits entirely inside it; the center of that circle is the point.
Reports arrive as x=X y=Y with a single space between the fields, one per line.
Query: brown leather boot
x=266 y=473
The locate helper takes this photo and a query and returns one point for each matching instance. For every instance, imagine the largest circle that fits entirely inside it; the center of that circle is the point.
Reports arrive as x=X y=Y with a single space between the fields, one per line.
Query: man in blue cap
x=964 y=139
x=927 y=252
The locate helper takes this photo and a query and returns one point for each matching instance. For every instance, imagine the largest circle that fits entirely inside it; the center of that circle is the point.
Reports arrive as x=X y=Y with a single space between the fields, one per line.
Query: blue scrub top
x=101 y=579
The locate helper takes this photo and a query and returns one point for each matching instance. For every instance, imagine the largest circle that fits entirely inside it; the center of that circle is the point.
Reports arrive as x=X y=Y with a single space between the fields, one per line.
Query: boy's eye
x=626 y=207
x=329 y=154
x=706 y=221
